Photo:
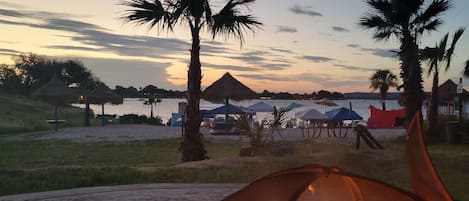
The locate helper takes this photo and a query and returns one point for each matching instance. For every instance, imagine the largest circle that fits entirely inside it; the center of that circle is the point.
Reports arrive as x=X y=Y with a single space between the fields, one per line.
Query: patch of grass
x=25 y=114
x=30 y=166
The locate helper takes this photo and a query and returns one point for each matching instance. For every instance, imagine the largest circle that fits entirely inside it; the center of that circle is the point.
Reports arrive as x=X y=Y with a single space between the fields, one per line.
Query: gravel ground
x=143 y=192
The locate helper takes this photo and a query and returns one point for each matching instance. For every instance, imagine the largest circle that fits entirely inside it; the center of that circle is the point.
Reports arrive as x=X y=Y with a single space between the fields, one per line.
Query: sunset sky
x=304 y=45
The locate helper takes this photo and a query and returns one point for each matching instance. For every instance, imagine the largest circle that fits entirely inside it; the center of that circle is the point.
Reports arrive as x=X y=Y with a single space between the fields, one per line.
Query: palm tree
x=197 y=14
x=152 y=101
x=383 y=80
x=466 y=69
x=436 y=57
x=406 y=20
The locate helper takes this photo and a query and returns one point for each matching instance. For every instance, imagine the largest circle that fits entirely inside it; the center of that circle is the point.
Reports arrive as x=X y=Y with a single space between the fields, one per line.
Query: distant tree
x=436 y=57
x=149 y=90
x=36 y=70
x=323 y=94
x=407 y=20
x=10 y=81
x=382 y=80
x=199 y=16
x=152 y=100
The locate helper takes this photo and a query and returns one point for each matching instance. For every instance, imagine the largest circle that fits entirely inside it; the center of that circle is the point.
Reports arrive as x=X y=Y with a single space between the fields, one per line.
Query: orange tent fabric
x=384 y=119
x=319 y=183
x=425 y=180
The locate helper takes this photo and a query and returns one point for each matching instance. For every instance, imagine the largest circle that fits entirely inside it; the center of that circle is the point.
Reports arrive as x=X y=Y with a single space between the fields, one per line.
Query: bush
x=142 y=119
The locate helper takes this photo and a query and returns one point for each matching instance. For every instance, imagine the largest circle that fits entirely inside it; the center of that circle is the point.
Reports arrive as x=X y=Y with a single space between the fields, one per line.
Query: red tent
x=385 y=119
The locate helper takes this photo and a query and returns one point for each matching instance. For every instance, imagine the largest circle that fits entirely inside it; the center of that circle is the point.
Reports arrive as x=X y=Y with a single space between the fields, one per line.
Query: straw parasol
x=102 y=95
x=326 y=102
x=227 y=87
x=56 y=92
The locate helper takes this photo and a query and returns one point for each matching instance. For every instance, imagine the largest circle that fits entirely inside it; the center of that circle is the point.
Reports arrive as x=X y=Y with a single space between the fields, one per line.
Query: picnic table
x=53 y=121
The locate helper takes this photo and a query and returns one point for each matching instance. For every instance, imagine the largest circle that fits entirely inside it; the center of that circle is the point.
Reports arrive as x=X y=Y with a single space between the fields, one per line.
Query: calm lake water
x=168 y=106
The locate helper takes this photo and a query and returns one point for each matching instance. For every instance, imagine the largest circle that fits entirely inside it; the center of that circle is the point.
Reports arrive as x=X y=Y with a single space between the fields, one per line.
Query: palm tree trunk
x=433 y=128
x=192 y=146
x=383 y=98
x=87 y=114
x=411 y=73
x=151 y=111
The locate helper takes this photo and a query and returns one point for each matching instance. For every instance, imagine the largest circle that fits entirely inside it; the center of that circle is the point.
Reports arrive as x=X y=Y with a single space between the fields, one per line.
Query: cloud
x=10 y=5
x=353 y=45
x=340 y=29
x=297 y=9
x=355 y=68
x=252 y=59
x=8 y=50
x=228 y=67
x=286 y=29
x=125 y=72
x=32 y=14
x=274 y=66
x=325 y=34
x=269 y=77
x=317 y=59
x=102 y=39
x=388 y=53
x=69 y=47
x=281 y=50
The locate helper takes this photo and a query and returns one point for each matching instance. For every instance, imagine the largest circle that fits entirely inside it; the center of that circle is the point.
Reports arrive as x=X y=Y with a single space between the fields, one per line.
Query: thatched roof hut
x=55 y=91
x=447 y=92
x=102 y=94
x=227 y=87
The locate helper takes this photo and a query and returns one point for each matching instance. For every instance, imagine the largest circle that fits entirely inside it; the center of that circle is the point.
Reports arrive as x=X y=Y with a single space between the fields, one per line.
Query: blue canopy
x=261 y=107
x=343 y=114
x=232 y=109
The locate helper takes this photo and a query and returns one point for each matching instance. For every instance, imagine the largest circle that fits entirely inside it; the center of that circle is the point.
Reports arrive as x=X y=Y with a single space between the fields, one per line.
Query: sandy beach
x=123 y=133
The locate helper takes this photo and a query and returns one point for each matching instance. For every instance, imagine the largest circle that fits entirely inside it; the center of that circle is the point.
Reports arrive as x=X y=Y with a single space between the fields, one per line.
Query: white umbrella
x=310 y=114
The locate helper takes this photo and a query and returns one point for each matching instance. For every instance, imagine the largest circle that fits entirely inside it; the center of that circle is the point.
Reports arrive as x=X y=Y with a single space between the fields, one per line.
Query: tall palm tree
x=406 y=20
x=382 y=80
x=197 y=14
x=436 y=57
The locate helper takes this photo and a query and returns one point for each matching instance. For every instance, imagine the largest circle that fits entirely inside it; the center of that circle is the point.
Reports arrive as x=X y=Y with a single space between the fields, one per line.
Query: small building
x=447 y=98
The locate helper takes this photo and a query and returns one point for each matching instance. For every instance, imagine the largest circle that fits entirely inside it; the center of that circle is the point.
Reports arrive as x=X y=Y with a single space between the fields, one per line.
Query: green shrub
x=142 y=119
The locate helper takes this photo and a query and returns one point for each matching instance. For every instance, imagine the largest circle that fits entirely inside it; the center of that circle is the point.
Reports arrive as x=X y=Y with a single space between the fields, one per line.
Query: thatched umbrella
x=101 y=95
x=56 y=92
x=227 y=87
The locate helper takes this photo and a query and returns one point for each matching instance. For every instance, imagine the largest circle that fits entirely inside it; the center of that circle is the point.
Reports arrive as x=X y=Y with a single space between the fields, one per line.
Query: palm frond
x=230 y=22
x=208 y=13
x=466 y=69
x=449 y=53
x=429 y=55
x=430 y=26
x=147 y=12
x=436 y=8
x=178 y=9
x=383 y=29
x=384 y=7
